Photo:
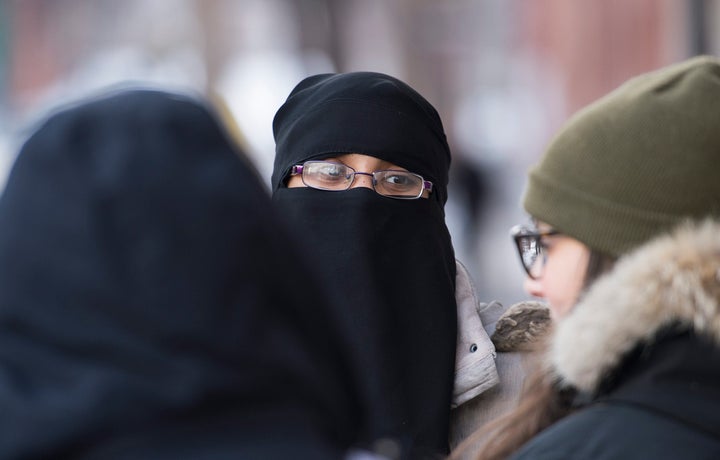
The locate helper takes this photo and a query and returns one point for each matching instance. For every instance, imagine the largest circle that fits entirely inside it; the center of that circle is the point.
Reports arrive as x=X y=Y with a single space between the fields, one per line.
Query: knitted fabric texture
x=636 y=162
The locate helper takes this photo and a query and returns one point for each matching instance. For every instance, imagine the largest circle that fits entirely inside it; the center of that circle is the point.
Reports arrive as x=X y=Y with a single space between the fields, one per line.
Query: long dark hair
x=542 y=401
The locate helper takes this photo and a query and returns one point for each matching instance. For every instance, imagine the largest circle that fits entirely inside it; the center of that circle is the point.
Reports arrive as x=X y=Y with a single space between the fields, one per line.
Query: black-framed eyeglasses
x=531 y=248
x=335 y=177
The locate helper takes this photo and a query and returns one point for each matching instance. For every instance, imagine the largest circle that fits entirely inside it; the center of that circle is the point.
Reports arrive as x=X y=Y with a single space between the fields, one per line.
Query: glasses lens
x=531 y=249
x=398 y=184
x=531 y=253
x=326 y=175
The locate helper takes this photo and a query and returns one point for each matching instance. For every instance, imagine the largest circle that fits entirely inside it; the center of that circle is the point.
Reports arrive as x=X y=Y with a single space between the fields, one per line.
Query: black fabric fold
x=150 y=300
x=675 y=376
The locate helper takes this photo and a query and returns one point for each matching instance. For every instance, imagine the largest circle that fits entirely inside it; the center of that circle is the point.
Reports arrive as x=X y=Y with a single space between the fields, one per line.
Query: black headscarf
x=150 y=304
x=390 y=262
x=361 y=112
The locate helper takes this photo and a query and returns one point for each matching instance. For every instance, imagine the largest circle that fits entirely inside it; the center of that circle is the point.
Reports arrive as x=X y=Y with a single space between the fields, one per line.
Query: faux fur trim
x=522 y=326
x=672 y=278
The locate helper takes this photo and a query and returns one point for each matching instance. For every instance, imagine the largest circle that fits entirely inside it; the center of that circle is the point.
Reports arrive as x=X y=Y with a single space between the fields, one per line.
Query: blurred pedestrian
x=151 y=306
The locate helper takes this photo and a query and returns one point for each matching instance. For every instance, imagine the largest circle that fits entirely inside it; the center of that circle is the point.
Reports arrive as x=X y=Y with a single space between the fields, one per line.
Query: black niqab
x=148 y=298
x=390 y=261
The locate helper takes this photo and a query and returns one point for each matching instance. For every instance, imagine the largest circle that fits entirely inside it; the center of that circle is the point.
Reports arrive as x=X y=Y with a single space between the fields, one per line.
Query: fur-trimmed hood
x=672 y=279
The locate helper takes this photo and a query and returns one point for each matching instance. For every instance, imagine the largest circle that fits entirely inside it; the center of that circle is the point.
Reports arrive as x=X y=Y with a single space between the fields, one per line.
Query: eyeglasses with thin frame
x=531 y=249
x=336 y=177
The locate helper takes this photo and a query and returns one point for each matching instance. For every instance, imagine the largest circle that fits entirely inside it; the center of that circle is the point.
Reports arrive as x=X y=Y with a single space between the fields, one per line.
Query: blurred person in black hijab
x=151 y=306
x=361 y=172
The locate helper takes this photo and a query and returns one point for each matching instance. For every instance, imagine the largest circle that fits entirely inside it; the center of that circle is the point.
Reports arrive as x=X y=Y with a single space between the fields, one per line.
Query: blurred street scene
x=504 y=74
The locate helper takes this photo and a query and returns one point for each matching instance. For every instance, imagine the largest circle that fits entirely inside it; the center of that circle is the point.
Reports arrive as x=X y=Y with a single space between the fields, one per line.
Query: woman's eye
x=334 y=171
x=397 y=179
x=544 y=244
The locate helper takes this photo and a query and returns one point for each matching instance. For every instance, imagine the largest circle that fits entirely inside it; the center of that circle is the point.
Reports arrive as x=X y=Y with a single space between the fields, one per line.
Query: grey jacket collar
x=475 y=370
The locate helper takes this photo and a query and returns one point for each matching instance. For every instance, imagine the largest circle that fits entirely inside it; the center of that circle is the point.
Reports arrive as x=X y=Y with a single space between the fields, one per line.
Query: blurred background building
x=504 y=74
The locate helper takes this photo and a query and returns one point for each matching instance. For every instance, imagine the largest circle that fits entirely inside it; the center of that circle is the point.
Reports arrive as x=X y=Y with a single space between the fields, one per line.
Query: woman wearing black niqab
x=390 y=261
x=147 y=303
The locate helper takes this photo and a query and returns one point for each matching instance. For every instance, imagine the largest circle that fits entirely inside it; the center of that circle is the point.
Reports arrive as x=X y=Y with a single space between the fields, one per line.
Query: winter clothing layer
x=618 y=173
x=522 y=326
x=643 y=347
x=390 y=262
x=514 y=333
x=150 y=303
x=475 y=370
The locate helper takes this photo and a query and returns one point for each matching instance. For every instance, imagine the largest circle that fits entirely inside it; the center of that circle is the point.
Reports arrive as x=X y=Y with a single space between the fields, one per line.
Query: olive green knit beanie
x=636 y=162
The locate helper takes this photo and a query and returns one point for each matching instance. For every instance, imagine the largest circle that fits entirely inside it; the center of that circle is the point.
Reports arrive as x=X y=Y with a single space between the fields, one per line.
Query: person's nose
x=363 y=179
x=533 y=287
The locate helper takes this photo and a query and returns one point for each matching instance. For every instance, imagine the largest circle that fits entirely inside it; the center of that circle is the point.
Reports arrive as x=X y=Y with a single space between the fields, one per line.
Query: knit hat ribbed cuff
x=602 y=225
